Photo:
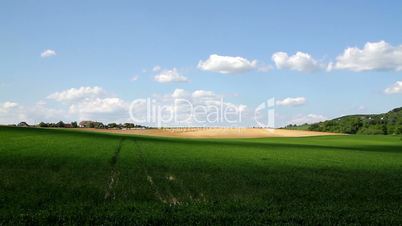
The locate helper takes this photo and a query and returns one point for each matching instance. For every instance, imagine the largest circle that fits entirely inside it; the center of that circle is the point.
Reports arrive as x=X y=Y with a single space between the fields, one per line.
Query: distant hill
x=386 y=123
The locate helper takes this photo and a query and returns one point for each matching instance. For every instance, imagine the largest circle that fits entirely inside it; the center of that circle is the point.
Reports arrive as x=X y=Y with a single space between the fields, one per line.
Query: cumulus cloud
x=8 y=105
x=166 y=76
x=156 y=68
x=134 y=78
x=309 y=118
x=74 y=94
x=227 y=64
x=291 y=101
x=374 y=56
x=91 y=103
x=395 y=88
x=99 y=105
x=11 y=113
x=94 y=103
x=303 y=62
x=88 y=100
x=8 y=110
x=188 y=108
x=179 y=93
x=84 y=103
x=203 y=93
x=48 y=53
x=41 y=111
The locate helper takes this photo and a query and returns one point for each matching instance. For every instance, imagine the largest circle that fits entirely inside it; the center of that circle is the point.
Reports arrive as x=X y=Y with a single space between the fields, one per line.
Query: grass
x=72 y=177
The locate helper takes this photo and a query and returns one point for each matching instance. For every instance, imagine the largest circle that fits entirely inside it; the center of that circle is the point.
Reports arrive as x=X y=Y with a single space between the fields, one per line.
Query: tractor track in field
x=164 y=194
x=114 y=174
x=145 y=171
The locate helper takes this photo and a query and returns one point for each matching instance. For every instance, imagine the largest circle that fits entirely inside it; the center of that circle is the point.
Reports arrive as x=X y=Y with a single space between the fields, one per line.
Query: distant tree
x=384 y=129
x=129 y=125
x=398 y=129
x=112 y=125
x=315 y=127
x=60 y=124
x=355 y=125
x=398 y=126
x=99 y=125
x=74 y=124
x=42 y=124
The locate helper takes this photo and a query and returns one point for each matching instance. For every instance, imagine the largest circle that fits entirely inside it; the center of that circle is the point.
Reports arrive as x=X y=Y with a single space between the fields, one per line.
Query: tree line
x=381 y=124
x=83 y=124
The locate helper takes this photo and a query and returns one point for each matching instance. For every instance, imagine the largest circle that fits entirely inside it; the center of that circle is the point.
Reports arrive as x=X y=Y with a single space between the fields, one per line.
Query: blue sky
x=107 y=43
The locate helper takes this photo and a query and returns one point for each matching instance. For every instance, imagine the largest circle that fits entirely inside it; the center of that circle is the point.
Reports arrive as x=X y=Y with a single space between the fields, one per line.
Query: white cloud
x=227 y=64
x=379 y=56
x=190 y=108
x=291 y=101
x=11 y=112
x=303 y=62
x=41 y=111
x=156 y=68
x=9 y=105
x=395 y=88
x=48 y=53
x=179 y=93
x=310 y=118
x=7 y=109
x=99 y=105
x=203 y=93
x=91 y=103
x=134 y=78
x=74 y=94
x=166 y=76
x=85 y=103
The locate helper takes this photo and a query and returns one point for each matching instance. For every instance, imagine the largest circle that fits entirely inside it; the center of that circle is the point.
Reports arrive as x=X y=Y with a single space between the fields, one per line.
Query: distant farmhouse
x=23 y=124
x=91 y=124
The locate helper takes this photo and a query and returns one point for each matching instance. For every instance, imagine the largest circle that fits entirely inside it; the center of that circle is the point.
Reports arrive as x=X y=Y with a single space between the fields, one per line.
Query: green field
x=50 y=176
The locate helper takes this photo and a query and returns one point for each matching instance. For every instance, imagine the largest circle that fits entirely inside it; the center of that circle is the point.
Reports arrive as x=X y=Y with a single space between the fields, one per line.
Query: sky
x=91 y=60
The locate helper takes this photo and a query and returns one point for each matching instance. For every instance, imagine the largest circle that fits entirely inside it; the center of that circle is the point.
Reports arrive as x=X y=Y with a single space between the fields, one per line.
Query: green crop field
x=52 y=176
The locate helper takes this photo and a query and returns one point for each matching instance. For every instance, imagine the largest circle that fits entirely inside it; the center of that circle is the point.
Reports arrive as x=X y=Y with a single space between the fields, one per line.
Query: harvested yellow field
x=215 y=132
